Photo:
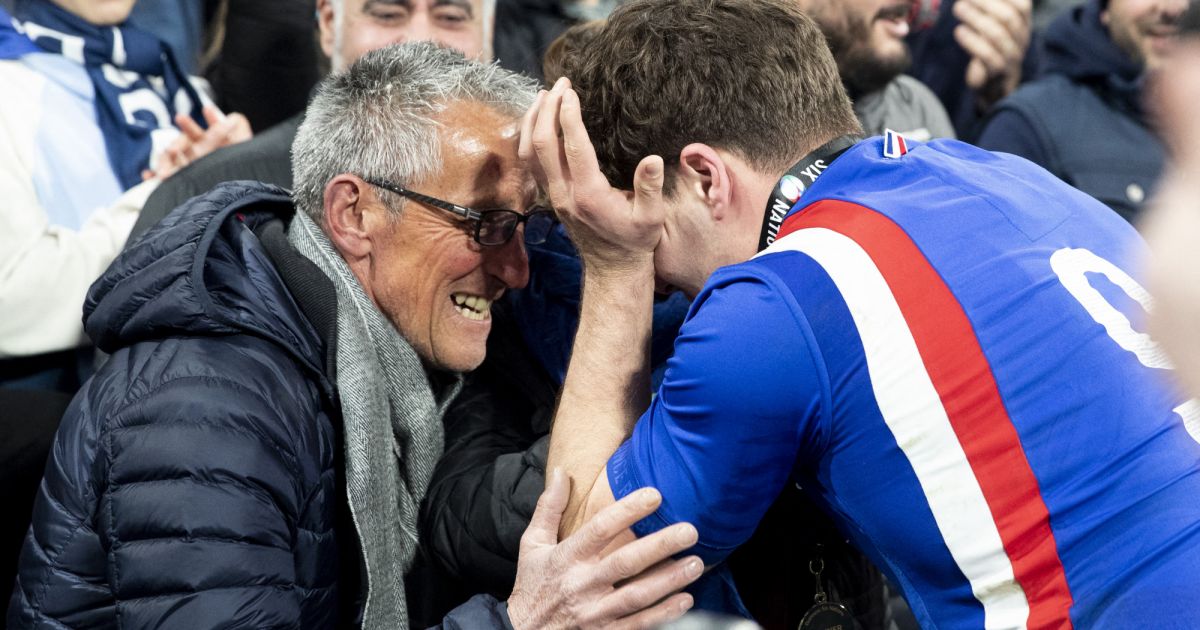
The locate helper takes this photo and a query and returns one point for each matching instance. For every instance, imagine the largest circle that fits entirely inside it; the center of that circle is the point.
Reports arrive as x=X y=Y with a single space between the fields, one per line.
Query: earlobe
x=346 y=219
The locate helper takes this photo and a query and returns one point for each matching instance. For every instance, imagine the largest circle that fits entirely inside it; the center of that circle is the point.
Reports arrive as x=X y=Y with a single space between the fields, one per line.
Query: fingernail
x=560 y=84
x=649 y=497
x=685 y=605
x=686 y=535
x=694 y=568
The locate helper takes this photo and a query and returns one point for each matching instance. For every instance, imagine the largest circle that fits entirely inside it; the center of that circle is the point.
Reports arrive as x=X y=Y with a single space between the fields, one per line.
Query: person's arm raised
x=607 y=382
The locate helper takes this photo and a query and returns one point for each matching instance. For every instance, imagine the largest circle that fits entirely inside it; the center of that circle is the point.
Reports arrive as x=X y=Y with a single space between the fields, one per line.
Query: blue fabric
x=13 y=44
x=771 y=384
x=179 y=23
x=128 y=108
x=547 y=309
x=1102 y=144
x=193 y=482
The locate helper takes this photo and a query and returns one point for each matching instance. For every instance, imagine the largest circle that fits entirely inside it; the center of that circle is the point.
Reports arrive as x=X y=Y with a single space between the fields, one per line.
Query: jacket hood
x=1079 y=46
x=201 y=271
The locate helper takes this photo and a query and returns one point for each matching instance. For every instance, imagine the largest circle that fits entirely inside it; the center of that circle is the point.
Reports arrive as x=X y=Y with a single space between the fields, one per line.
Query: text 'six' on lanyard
x=797 y=180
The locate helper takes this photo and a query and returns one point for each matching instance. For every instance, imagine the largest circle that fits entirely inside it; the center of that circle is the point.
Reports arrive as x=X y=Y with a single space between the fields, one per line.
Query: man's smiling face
x=428 y=275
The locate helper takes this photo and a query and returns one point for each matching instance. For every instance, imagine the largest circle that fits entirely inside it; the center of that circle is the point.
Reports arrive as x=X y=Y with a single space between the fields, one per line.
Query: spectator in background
x=867 y=40
x=1084 y=120
x=348 y=29
x=972 y=53
x=1173 y=225
x=89 y=105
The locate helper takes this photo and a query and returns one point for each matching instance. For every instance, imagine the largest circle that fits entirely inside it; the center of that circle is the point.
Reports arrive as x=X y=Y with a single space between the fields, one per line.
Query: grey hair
x=377 y=119
x=488 y=14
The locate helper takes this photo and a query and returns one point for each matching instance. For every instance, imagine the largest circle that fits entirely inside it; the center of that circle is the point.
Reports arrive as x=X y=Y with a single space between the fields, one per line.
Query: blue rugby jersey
x=944 y=348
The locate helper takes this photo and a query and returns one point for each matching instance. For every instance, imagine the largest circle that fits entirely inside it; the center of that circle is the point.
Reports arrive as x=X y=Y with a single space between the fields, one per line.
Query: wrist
x=626 y=271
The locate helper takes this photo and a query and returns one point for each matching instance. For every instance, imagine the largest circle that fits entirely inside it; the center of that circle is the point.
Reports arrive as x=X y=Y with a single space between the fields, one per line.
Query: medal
x=824 y=614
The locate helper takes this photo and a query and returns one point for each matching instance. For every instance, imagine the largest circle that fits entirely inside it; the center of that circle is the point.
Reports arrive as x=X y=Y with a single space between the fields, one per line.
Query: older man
x=348 y=29
x=254 y=452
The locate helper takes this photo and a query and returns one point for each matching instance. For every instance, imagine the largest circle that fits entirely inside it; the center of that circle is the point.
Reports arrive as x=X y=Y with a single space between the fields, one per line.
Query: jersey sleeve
x=742 y=398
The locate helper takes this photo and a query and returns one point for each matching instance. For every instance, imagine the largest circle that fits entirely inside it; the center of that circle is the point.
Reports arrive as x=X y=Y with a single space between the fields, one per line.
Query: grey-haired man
x=254 y=451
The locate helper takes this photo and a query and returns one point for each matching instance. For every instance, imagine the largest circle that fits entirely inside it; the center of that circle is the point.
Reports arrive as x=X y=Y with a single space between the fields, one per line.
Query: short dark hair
x=754 y=77
x=567 y=49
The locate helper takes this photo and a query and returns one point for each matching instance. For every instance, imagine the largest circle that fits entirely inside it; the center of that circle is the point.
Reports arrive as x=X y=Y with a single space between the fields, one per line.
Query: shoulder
x=238 y=384
x=1043 y=96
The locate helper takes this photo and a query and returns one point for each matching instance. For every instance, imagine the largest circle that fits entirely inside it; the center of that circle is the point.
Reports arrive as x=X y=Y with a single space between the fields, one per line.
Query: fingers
x=525 y=146
x=212 y=115
x=577 y=145
x=189 y=128
x=547 y=144
x=642 y=592
x=543 y=527
x=239 y=128
x=669 y=610
x=980 y=49
x=995 y=34
x=632 y=559
x=648 y=184
x=610 y=522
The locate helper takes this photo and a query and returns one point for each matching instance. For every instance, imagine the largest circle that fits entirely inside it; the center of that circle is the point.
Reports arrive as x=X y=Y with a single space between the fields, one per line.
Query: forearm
x=607 y=384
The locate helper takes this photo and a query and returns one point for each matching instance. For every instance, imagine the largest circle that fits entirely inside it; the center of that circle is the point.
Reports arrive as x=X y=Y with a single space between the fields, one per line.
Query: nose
x=508 y=262
x=418 y=29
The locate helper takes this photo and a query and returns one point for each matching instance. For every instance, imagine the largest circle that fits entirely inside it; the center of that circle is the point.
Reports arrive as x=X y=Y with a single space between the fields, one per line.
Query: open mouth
x=475 y=307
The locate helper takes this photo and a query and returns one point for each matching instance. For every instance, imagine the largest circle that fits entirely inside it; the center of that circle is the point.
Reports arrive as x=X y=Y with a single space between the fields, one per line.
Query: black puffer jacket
x=192 y=482
x=196 y=480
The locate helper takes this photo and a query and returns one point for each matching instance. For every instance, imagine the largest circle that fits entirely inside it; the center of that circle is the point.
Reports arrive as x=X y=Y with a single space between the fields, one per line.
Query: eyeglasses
x=492 y=227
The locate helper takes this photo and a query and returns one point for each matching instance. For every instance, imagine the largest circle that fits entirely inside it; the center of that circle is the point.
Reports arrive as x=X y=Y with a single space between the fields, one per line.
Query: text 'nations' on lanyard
x=797 y=180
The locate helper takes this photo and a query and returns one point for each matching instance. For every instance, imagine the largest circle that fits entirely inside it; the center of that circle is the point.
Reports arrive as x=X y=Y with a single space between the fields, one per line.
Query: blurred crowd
x=122 y=123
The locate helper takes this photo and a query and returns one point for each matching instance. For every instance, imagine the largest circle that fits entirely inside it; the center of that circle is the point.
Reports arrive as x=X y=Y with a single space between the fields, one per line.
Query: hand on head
x=613 y=229
x=593 y=578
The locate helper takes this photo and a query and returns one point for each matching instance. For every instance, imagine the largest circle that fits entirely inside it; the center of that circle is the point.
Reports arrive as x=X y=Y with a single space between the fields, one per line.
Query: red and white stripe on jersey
x=938 y=396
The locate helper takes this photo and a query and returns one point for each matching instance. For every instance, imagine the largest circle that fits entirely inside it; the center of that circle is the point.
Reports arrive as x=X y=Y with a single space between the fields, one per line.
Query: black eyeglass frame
x=478 y=216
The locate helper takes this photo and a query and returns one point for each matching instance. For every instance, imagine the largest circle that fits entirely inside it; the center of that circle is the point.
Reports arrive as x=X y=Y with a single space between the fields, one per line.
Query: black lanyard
x=797 y=180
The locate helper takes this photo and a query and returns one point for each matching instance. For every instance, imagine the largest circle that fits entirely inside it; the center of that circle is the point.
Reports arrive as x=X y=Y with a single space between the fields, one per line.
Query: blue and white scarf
x=138 y=83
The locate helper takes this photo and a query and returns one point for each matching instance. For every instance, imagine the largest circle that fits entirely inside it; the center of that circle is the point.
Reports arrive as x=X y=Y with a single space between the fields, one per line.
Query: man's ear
x=348 y=216
x=327 y=26
x=704 y=174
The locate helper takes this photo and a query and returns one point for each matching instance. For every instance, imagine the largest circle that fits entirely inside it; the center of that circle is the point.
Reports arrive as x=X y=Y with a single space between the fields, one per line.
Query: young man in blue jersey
x=941 y=345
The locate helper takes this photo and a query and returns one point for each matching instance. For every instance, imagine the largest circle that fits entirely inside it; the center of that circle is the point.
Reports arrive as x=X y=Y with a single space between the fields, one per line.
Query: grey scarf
x=393 y=430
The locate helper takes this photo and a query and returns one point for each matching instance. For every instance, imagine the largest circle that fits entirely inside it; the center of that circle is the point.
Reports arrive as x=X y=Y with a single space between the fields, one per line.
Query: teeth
x=472 y=306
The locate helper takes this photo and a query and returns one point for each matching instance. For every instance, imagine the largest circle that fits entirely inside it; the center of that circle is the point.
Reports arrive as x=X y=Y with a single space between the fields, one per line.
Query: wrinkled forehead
x=479 y=156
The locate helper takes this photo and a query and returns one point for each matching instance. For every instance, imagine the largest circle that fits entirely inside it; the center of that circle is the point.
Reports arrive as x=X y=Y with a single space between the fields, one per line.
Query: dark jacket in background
x=941 y=64
x=523 y=30
x=1084 y=120
x=269 y=60
x=267 y=157
x=196 y=480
